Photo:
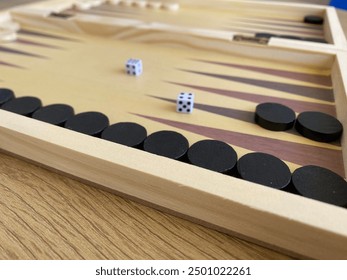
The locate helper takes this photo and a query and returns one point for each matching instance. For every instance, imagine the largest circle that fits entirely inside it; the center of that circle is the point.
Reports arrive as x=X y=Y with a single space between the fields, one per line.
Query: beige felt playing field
x=75 y=53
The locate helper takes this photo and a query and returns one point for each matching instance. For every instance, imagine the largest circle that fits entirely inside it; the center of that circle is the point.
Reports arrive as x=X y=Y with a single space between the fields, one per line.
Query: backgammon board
x=74 y=52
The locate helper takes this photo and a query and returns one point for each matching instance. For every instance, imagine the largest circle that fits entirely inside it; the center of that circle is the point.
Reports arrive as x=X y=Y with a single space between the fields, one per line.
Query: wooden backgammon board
x=233 y=55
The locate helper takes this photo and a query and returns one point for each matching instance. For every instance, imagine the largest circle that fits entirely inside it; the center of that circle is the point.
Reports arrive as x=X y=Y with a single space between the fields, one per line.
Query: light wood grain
x=48 y=216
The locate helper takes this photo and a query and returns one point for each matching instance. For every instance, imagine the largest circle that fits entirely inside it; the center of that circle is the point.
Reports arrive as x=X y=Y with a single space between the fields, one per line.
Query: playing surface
x=229 y=17
x=88 y=73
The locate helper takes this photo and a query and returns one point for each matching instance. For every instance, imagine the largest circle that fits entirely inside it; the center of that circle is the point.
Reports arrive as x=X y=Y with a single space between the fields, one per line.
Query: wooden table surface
x=49 y=216
x=45 y=215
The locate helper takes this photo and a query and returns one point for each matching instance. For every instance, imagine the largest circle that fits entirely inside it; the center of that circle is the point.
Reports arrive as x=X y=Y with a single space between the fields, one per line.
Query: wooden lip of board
x=332 y=29
x=233 y=204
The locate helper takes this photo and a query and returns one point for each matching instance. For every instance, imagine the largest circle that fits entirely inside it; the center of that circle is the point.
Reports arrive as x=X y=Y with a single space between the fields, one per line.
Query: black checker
x=319 y=126
x=24 y=106
x=167 y=143
x=291 y=37
x=313 y=19
x=90 y=123
x=265 y=35
x=5 y=95
x=213 y=155
x=56 y=114
x=264 y=169
x=316 y=40
x=126 y=133
x=274 y=116
x=320 y=184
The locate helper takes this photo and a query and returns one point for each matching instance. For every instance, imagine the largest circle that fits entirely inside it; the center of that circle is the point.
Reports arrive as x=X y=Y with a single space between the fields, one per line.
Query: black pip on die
x=134 y=67
x=185 y=102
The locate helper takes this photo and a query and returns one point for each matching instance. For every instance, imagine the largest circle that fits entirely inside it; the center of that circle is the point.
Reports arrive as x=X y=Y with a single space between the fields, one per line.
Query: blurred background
x=340 y=3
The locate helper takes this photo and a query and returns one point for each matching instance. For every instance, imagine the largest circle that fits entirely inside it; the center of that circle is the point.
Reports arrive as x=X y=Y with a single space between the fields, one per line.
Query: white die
x=134 y=67
x=185 y=102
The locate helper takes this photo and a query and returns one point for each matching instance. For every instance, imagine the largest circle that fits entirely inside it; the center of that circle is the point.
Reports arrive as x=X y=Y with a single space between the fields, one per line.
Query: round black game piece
x=24 y=106
x=126 y=133
x=312 y=19
x=90 y=123
x=274 y=116
x=56 y=114
x=320 y=184
x=213 y=155
x=265 y=35
x=166 y=143
x=318 y=126
x=5 y=95
x=291 y=37
x=264 y=169
x=316 y=40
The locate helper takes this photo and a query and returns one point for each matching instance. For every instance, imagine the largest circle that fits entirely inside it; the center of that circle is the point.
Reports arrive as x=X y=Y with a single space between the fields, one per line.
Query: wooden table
x=49 y=216
x=45 y=215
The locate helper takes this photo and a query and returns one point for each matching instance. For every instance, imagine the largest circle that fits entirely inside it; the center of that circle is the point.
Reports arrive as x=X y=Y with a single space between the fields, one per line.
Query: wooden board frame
x=277 y=219
x=333 y=31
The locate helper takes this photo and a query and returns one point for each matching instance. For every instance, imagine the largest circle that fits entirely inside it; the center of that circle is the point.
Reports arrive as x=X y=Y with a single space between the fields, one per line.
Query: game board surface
x=88 y=73
x=59 y=58
x=224 y=17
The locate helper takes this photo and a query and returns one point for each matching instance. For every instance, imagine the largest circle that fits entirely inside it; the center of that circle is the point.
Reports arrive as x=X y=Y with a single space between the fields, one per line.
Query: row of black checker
x=310 y=181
